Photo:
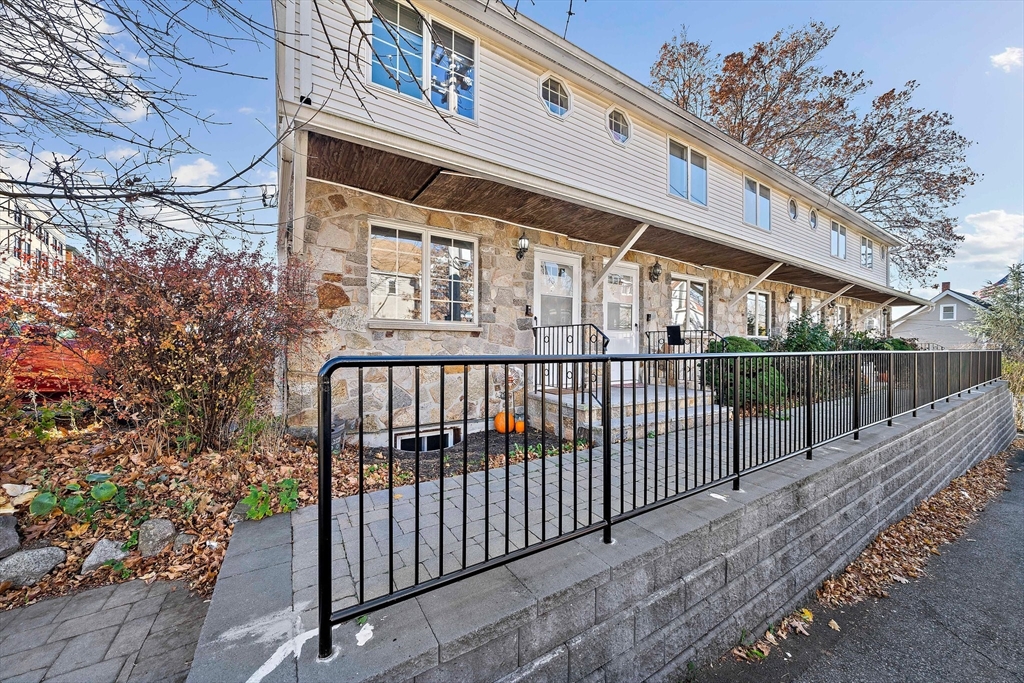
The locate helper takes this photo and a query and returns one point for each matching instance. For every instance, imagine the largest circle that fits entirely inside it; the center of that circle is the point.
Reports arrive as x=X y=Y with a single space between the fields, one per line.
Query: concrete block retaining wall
x=679 y=585
x=742 y=564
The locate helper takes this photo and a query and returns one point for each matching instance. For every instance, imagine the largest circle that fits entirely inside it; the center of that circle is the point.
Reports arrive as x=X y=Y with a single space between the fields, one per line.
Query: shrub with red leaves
x=190 y=333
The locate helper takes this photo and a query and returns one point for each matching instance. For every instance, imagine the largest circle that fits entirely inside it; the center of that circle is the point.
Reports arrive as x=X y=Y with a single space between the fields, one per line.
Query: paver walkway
x=131 y=632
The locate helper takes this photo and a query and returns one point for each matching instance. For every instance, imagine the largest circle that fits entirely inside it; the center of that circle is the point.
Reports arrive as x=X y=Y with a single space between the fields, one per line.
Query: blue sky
x=947 y=47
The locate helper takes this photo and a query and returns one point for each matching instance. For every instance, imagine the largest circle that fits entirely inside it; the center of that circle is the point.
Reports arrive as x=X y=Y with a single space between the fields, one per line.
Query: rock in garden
x=26 y=567
x=8 y=536
x=154 y=535
x=182 y=541
x=103 y=551
x=238 y=513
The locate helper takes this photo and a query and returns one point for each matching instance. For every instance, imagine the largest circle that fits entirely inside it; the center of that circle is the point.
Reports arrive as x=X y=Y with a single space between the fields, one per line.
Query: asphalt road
x=962 y=621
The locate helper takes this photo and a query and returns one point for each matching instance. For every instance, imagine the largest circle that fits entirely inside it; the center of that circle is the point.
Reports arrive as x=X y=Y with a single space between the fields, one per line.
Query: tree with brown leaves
x=901 y=166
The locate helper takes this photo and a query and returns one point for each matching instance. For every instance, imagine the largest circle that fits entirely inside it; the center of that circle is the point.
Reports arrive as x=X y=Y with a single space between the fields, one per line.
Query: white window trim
x=428 y=43
x=608 y=128
x=845 y=232
x=816 y=221
x=792 y=200
x=689 y=172
x=757 y=203
x=427 y=232
x=768 y=314
x=683 y=277
x=544 y=103
x=942 y=308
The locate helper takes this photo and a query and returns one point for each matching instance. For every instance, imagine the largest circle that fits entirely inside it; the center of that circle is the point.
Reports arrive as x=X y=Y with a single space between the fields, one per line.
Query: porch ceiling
x=431 y=186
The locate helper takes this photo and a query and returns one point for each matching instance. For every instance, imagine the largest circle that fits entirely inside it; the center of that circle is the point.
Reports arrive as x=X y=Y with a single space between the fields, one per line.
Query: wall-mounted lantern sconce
x=524 y=245
x=529 y=310
x=885 y=312
x=791 y=295
x=831 y=304
x=655 y=272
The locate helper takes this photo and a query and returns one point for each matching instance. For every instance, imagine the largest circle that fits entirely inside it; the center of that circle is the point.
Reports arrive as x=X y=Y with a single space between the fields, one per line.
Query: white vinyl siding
x=514 y=130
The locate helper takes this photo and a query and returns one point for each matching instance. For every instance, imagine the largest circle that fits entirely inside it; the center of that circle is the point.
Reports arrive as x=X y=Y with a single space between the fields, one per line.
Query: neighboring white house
x=27 y=240
x=943 y=320
x=476 y=177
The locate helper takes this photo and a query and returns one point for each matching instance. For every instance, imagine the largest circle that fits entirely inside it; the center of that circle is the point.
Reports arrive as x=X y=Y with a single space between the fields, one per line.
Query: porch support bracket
x=626 y=246
x=874 y=311
x=758 y=280
x=829 y=300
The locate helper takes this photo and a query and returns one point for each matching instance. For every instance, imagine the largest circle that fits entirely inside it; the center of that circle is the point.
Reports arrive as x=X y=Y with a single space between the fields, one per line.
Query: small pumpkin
x=520 y=426
x=504 y=423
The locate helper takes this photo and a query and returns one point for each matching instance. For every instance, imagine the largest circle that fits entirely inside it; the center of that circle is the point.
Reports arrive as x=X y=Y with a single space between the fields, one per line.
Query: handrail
x=657 y=340
x=561 y=480
x=578 y=338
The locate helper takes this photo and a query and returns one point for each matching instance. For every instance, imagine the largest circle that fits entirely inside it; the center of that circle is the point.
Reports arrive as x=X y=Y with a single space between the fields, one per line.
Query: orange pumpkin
x=520 y=426
x=504 y=423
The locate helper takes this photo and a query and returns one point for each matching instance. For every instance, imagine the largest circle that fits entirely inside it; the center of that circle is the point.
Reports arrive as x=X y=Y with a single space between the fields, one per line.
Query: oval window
x=618 y=124
x=555 y=96
x=814 y=219
x=792 y=209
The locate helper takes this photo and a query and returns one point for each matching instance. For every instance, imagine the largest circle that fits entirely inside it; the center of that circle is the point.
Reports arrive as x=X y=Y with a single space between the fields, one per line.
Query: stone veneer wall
x=336 y=244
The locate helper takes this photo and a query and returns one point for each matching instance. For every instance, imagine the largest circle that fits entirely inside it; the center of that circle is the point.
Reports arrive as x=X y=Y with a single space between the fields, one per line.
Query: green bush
x=805 y=335
x=760 y=383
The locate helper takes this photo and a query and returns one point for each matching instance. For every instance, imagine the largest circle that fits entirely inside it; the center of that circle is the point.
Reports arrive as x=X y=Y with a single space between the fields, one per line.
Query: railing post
x=949 y=389
x=856 y=396
x=736 y=422
x=935 y=378
x=891 y=402
x=323 y=573
x=809 y=397
x=606 y=448
x=916 y=356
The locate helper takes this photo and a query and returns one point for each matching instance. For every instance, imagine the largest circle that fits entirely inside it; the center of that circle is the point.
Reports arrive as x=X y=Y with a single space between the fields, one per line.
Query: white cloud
x=1009 y=59
x=120 y=154
x=246 y=110
x=200 y=172
x=992 y=240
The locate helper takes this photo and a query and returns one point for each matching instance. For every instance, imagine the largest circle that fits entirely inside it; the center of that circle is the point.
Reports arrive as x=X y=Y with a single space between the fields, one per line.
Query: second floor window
x=398 y=60
x=618 y=124
x=555 y=96
x=867 y=252
x=687 y=173
x=838 y=240
x=757 y=204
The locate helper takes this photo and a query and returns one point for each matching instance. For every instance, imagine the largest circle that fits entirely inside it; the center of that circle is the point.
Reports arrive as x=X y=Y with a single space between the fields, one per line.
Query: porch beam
x=829 y=300
x=927 y=308
x=758 y=280
x=873 y=311
x=626 y=246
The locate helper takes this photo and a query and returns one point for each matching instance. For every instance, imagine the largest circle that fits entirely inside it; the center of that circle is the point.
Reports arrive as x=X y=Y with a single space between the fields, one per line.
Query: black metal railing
x=442 y=485
x=690 y=341
x=582 y=339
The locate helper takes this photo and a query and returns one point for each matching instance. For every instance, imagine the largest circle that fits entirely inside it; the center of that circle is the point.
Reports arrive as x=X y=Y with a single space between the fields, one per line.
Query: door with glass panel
x=556 y=302
x=620 y=316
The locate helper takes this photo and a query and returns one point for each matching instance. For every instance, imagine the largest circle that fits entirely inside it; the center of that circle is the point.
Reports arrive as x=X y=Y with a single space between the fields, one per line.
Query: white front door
x=621 y=305
x=556 y=301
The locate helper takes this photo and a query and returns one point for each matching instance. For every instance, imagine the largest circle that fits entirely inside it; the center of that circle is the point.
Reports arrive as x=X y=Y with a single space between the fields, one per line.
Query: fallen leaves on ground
x=900 y=552
x=196 y=492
